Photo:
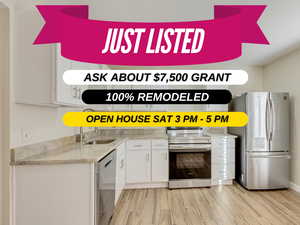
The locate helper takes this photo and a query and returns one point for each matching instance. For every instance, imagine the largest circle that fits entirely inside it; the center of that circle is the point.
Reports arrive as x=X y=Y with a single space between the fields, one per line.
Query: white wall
x=32 y=124
x=284 y=75
x=2 y=20
x=255 y=81
x=4 y=123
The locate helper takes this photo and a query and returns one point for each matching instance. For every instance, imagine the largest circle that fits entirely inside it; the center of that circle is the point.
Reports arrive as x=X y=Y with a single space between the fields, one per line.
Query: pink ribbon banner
x=151 y=44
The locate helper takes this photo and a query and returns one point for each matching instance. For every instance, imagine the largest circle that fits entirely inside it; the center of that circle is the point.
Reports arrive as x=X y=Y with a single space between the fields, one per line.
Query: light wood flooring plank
x=224 y=205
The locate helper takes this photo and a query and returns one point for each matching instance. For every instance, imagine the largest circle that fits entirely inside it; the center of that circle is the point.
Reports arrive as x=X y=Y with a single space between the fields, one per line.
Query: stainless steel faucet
x=82 y=136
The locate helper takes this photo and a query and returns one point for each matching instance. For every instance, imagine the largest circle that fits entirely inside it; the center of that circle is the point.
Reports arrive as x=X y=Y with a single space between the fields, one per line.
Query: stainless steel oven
x=189 y=158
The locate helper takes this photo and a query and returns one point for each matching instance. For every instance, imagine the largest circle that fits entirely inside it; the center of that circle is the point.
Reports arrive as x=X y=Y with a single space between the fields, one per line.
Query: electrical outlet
x=26 y=136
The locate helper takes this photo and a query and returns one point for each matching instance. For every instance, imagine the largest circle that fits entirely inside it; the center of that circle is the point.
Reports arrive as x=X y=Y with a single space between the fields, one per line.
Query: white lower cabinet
x=138 y=166
x=223 y=159
x=147 y=161
x=160 y=165
x=54 y=194
x=65 y=194
x=120 y=171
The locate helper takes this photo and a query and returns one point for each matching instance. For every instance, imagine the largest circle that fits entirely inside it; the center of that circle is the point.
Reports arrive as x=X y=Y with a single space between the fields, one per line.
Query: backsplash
x=40 y=148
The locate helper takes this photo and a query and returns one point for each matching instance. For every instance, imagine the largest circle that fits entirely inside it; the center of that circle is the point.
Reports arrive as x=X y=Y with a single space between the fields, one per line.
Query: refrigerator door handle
x=272 y=119
x=266 y=123
x=268 y=120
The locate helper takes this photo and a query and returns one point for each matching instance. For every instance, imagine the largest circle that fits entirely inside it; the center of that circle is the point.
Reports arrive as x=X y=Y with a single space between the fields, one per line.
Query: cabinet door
x=160 y=165
x=33 y=81
x=64 y=94
x=223 y=159
x=185 y=107
x=140 y=107
x=121 y=107
x=120 y=171
x=223 y=150
x=80 y=88
x=138 y=166
x=217 y=108
x=222 y=172
x=66 y=190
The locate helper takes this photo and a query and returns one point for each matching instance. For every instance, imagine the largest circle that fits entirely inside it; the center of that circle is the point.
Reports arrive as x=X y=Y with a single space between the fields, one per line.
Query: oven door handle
x=195 y=150
x=190 y=146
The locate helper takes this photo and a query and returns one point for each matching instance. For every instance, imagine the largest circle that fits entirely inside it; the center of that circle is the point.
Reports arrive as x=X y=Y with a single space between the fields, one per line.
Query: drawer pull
x=137 y=146
x=122 y=164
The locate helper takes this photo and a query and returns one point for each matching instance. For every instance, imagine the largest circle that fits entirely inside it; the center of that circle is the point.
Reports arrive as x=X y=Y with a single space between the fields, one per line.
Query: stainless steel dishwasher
x=105 y=186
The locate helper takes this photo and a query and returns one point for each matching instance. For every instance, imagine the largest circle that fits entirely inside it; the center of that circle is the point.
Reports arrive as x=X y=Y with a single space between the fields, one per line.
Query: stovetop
x=188 y=136
x=185 y=132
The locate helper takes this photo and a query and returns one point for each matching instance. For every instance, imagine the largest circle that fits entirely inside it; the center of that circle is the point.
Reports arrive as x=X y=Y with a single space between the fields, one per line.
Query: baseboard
x=147 y=185
x=221 y=182
x=166 y=184
x=295 y=187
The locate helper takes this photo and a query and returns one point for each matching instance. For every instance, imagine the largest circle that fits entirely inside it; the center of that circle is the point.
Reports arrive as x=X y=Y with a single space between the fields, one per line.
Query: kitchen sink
x=100 y=142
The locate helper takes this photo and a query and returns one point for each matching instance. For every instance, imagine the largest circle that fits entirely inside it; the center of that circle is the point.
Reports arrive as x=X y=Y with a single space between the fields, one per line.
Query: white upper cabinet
x=34 y=66
x=217 y=107
x=158 y=107
x=38 y=75
x=140 y=107
x=65 y=94
x=119 y=107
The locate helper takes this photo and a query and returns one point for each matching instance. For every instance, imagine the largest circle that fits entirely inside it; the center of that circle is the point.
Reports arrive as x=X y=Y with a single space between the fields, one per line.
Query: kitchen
x=36 y=130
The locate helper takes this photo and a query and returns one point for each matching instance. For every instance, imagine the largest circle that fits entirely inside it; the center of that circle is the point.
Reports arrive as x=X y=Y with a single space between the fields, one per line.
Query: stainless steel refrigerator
x=263 y=157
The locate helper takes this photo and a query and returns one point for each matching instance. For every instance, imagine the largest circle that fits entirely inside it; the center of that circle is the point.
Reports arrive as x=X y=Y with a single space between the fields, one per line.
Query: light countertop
x=72 y=153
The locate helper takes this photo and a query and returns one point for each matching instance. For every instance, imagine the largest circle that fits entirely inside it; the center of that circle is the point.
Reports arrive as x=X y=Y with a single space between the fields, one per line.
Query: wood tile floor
x=224 y=205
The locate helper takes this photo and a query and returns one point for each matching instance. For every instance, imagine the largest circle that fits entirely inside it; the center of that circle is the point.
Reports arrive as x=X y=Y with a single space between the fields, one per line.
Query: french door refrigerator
x=263 y=157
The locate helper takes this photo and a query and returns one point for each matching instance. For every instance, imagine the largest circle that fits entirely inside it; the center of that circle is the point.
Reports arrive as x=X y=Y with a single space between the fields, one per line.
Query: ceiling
x=280 y=22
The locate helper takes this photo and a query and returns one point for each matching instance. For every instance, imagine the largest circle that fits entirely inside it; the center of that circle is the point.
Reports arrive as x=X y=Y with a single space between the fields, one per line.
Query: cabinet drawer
x=224 y=141
x=223 y=171
x=160 y=144
x=223 y=156
x=138 y=144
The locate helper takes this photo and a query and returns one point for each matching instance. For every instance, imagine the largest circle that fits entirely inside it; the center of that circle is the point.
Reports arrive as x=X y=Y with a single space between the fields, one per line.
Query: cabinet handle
x=122 y=164
x=166 y=156
x=138 y=146
x=147 y=156
x=74 y=95
x=79 y=93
